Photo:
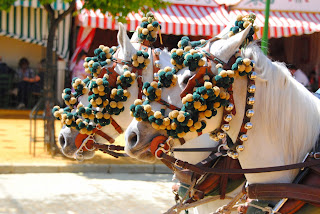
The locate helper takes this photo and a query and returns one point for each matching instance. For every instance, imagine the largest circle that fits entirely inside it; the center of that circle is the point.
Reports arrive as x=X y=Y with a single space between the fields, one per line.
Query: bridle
x=160 y=147
x=82 y=140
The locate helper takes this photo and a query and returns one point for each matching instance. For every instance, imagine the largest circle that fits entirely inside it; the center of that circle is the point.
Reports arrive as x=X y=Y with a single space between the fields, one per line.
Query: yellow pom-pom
x=197 y=125
x=248 y=69
x=201 y=115
x=166 y=121
x=145 y=31
x=85 y=64
x=223 y=73
x=190 y=123
x=246 y=24
x=256 y=28
x=106 y=49
x=239 y=17
x=119 y=105
x=189 y=97
x=173 y=62
x=173 y=126
x=106 y=116
x=147 y=108
x=184 y=100
x=230 y=34
x=139 y=119
x=135 y=63
x=100 y=88
x=181 y=118
x=155 y=126
x=157 y=115
x=208 y=85
x=106 y=102
x=57 y=114
x=187 y=48
x=144 y=19
x=150 y=27
x=83 y=131
x=85 y=90
x=162 y=127
x=158 y=93
x=230 y=73
x=175 y=113
x=140 y=59
x=73 y=100
x=99 y=115
x=193 y=51
x=201 y=62
x=241 y=68
x=192 y=129
x=147 y=61
x=223 y=95
x=208 y=113
x=113 y=104
x=154 y=34
x=203 y=108
x=182 y=134
x=167 y=69
x=205 y=96
x=78 y=121
x=216 y=105
x=246 y=61
x=179 y=52
x=197 y=104
x=91 y=116
x=138 y=102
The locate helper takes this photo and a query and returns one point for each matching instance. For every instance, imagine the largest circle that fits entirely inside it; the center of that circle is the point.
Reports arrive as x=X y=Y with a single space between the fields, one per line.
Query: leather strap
x=116 y=126
x=224 y=179
x=275 y=190
x=168 y=105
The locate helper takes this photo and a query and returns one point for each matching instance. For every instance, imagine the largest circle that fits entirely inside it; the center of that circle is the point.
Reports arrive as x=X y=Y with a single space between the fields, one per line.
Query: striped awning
x=30 y=24
x=56 y=5
x=175 y=19
x=284 y=24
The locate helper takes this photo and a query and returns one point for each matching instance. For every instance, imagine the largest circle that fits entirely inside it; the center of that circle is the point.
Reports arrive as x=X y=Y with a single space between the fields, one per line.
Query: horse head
x=125 y=51
x=139 y=134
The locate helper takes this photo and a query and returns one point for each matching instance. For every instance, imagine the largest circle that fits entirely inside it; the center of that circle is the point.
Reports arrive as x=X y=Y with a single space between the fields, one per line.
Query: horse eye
x=186 y=79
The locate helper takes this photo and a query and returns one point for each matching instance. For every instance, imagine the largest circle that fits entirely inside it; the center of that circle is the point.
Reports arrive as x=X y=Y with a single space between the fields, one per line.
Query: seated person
x=25 y=78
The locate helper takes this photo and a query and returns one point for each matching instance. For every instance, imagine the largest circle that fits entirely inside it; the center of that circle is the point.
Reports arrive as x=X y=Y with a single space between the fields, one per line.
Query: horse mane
x=291 y=112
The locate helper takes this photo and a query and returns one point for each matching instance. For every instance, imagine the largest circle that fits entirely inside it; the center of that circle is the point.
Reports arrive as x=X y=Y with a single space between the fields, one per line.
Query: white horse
x=285 y=124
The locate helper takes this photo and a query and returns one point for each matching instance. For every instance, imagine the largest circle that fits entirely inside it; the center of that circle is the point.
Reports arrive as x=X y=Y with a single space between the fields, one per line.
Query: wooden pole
x=264 y=42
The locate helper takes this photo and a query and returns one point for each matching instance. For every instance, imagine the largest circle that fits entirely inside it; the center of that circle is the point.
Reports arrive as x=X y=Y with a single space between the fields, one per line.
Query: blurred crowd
x=22 y=84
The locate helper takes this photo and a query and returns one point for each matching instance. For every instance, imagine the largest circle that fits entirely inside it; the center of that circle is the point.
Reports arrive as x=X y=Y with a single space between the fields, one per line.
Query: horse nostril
x=62 y=141
x=133 y=139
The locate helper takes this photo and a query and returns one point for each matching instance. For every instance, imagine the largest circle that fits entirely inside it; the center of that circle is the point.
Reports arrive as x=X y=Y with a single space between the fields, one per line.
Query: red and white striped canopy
x=175 y=19
x=284 y=24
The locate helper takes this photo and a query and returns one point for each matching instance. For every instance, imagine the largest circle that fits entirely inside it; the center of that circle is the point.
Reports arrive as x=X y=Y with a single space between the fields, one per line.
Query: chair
x=5 y=87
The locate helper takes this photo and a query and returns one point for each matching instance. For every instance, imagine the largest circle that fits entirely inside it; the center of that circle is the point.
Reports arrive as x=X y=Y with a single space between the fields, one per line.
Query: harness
x=207 y=175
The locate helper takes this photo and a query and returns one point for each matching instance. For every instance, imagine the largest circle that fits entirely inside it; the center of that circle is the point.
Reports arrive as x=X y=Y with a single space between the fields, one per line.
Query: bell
x=225 y=127
x=248 y=125
x=243 y=137
x=214 y=137
x=232 y=154
x=240 y=148
x=229 y=107
x=155 y=76
x=228 y=118
x=249 y=113
x=221 y=135
x=157 y=64
x=251 y=100
x=253 y=75
x=157 y=51
x=252 y=89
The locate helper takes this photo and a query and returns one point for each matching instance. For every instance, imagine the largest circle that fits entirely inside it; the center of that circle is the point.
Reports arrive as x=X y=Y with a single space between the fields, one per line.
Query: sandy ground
x=15 y=143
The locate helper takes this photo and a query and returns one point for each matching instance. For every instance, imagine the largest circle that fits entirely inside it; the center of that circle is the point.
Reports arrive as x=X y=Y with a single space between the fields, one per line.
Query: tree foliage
x=119 y=9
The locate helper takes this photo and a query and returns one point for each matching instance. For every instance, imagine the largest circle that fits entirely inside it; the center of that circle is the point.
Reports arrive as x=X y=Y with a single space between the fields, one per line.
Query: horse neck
x=284 y=128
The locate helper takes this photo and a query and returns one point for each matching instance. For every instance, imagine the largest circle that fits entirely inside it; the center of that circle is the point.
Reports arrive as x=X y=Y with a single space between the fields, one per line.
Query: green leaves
x=119 y=9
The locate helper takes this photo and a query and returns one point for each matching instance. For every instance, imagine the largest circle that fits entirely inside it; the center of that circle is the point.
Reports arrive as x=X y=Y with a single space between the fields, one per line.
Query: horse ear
x=125 y=43
x=135 y=37
x=232 y=44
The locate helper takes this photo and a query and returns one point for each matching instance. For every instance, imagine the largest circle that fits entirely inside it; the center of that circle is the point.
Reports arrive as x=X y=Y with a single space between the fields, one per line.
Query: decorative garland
x=140 y=60
x=203 y=103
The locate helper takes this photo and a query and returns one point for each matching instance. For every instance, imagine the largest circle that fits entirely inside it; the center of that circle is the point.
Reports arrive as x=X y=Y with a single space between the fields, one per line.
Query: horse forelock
x=291 y=113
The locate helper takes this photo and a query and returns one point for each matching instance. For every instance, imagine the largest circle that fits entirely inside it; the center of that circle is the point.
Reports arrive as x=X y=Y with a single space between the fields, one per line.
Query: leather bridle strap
x=203 y=170
x=116 y=126
x=168 y=105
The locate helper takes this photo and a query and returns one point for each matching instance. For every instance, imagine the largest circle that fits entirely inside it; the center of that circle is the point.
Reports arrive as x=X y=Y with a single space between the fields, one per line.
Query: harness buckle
x=316 y=155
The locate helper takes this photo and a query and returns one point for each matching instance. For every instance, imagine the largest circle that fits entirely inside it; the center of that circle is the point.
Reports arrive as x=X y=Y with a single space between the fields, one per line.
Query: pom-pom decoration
x=140 y=60
x=149 y=28
x=167 y=77
x=243 y=22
